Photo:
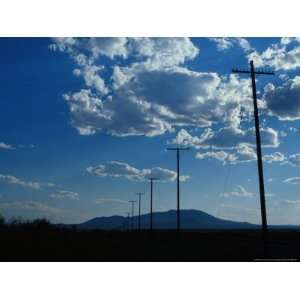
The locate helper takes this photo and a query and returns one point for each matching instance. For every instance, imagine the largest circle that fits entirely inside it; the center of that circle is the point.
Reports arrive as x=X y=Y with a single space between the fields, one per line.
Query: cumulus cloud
x=227 y=138
x=14 y=180
x=284 y=101
x=242 y=154
x=227 y=43
x=109 y=201
x=284 y=55
x=294 y=160
x=278 y=157
x=245 y=153
x=153 y=92
x=291 y=203
x=6 y=146
x=123 y=170
x=239 y=191
x=218 y=155
x=274 y=157
x=92 y=78
x=10 y=179
x=292 y=180
x=110 y=47
x=62 y=194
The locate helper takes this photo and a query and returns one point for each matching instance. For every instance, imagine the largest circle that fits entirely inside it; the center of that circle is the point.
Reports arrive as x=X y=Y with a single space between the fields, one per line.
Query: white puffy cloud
x=92 y=78
x=245 y=153
x=227 y=43
x=218 y=155
x=294 y=160
x=85 y=51
x=284 y=55
x=151 y=93
x=239 y=191
x=10 y=179
x=284 y=101
x=94 y=46
x=6 y=146
x=288 y=40
x=109 y=46
x=62 y=194
x=242 y=154
x=115 y=169
x=124 y=170
x=14 y=180
x=109 y=201
x=227 y=138
x=291 y=203
x=274 y=157
x=153 y=104
x=63 y=44
x=160 y=53
x=292 y=180
x=278 y=157
x=87 y=110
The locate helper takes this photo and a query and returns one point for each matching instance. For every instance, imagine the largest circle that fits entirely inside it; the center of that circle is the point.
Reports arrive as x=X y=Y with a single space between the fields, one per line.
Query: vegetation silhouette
x=39 y=240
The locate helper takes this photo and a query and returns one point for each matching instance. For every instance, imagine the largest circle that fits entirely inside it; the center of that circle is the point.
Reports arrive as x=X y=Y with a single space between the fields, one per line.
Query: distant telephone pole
x=132 y=213
x=178 y=149
x=252 y=73
x=140 y=196
x=151 y=201
x=128 y=221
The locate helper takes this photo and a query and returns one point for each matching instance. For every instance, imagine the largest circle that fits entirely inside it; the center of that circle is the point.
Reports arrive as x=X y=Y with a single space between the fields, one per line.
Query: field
x=44 y=242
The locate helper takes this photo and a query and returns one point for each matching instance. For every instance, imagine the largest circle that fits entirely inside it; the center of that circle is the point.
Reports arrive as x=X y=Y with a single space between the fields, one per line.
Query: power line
x=178 y=149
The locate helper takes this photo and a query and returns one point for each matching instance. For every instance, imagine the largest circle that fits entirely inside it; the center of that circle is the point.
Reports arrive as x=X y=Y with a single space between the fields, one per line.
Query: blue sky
x=84 y=122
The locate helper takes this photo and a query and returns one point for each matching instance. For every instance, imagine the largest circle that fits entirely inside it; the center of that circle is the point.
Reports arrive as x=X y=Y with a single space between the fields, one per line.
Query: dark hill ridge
x=190 y=219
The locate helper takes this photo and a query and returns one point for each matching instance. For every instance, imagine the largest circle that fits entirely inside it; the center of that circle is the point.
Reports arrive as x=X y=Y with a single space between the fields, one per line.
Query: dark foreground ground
x=53 y=244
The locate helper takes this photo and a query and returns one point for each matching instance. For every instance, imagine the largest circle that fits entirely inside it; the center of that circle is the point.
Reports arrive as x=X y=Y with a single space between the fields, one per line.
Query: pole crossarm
x=256 y=72
x=178 y=148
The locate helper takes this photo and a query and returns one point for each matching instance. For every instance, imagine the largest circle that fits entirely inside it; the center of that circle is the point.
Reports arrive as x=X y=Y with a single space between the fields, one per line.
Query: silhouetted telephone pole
x=132 y=213
x=178 y=149
x=128 y=221
x=151 y=201
x=140 y=197
x=252 y=73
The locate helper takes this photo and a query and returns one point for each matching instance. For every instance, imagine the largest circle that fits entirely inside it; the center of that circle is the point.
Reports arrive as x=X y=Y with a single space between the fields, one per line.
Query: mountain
x=190 y=219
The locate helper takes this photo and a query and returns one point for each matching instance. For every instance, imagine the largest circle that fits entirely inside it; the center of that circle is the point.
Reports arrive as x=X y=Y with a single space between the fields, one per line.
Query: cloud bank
x=123 y=170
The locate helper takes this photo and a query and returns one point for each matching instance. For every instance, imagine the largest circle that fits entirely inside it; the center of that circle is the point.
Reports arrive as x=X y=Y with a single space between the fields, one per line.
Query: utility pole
x=178 y=149
x=252 y=73
x=140 y=196
x=128 y=221
x=151 y=201
x=132 y=213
